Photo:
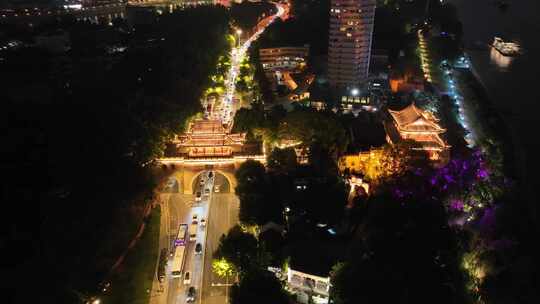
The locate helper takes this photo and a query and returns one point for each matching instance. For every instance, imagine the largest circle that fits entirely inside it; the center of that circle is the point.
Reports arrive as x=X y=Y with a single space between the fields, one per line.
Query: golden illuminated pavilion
x=208 y=138
x=420 y=126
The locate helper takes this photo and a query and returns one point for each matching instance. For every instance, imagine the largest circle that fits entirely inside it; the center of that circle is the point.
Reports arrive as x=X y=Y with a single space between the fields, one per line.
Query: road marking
x=221 y=285
x=205 y=238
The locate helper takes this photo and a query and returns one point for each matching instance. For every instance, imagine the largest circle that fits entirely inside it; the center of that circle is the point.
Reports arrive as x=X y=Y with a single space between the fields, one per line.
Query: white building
x=306 y=285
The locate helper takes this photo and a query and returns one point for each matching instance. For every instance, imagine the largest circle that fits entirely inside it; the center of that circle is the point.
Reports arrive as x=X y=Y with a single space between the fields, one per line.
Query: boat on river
x=509 y=49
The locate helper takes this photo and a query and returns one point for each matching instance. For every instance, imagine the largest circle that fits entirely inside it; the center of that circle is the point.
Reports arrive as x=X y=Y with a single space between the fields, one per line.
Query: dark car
x=198 y=248
x=191 y=294
x=210 y=174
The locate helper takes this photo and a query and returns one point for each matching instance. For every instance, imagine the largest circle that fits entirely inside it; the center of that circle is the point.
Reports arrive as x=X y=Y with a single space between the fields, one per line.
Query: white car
x=187 y=278
x=202 y=222
x=216 y=189
x=195 y=217
x=198 y=197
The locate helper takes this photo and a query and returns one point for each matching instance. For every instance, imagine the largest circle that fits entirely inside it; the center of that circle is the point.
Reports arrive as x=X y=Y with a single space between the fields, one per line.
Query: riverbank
x=510 y=84
x=493 y=125
x=472 y=113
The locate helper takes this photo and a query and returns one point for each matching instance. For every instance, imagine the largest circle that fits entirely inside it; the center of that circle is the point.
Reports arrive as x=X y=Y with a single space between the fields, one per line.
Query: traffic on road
x=188 y=277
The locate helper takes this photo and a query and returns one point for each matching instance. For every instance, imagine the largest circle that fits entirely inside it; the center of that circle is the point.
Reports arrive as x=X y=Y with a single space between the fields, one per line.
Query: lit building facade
x=208 y=138
x=279 y=63
x=306 y=286
x=349 y=45
x=422 y=127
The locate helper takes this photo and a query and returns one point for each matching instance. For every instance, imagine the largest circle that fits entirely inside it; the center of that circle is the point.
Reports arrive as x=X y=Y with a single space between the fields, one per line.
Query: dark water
x=514 y=87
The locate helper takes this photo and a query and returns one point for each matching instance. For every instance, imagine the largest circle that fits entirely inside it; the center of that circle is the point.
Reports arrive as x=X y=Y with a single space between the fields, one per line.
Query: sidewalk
x=160 y=290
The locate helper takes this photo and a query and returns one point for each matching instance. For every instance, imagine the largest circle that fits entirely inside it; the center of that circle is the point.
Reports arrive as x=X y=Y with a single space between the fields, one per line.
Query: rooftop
x=413 y=119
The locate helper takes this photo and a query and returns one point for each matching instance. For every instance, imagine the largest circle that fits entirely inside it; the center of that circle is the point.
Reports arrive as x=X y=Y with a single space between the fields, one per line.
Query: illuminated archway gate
x=187 y=170
x=208 y=145
x=220 y=179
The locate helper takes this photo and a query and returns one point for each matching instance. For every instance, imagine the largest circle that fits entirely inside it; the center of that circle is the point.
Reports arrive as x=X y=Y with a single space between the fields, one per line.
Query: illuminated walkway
x=449 y=86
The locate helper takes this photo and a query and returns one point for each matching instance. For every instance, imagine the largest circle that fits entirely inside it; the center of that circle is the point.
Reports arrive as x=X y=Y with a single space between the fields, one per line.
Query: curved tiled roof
x=413 y=119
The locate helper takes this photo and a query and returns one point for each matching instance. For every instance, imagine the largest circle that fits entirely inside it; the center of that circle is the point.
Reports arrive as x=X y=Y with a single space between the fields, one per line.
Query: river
x=512 y=84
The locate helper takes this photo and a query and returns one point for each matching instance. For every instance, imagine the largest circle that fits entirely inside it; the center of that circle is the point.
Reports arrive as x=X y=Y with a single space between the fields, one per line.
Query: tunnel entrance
x=221 y=182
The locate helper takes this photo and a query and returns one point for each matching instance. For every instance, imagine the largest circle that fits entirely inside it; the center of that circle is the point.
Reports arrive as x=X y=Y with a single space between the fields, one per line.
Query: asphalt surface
x=224 y=214
x=220 y=209
x=221 y=212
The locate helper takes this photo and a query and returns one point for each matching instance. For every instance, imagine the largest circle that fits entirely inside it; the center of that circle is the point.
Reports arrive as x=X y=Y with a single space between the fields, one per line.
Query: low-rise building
x=283 y=58
x=406 y=83
x=307 y=286
x=356 y=162
x=279 y=63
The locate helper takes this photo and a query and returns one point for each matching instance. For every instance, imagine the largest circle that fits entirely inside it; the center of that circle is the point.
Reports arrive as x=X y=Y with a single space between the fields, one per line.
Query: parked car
x=198 y=248
x=187 y=278
x=216 y=188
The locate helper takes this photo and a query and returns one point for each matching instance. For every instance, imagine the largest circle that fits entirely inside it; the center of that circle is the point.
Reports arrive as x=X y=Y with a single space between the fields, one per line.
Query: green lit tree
x=237 y=250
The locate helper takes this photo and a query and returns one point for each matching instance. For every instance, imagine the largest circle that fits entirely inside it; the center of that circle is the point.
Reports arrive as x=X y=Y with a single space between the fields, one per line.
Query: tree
x=323 y=200
x=282 y=160
x=311 y=126
x=237 y=248
x=247 y=120
x=259 y=286
x=258 y=202
x=114 y=116
x=392 y=161
x=223 y=268
x=404 y=247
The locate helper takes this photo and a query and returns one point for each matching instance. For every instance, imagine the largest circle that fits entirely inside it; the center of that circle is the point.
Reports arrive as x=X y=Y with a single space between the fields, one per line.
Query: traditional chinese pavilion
x=420 y=126
x=208 y=138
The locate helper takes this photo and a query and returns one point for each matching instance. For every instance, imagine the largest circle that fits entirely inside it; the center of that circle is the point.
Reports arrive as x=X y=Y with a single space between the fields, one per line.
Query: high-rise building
x=349 y=45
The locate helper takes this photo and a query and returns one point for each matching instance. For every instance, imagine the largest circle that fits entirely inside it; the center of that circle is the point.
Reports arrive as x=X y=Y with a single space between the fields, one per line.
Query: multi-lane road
x=220 y=210
x=227 y=106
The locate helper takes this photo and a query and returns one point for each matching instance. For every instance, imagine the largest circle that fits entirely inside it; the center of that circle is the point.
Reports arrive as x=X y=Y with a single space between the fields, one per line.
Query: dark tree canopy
x=258 y=200
x=282 y=160
x=239 y=248
x=87 y=123
x=403 y=247
x=259 y=286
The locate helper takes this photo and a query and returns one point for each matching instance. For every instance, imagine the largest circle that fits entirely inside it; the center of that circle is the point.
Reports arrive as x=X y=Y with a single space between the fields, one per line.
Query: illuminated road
x=237 y=56
x=219 y=209
x=223 y=212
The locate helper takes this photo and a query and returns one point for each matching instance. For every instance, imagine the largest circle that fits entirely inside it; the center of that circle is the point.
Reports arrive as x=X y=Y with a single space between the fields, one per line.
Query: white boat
x=506 y=48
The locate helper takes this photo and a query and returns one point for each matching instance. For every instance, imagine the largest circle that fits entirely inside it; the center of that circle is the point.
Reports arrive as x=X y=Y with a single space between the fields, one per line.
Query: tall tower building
x=349 y=45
